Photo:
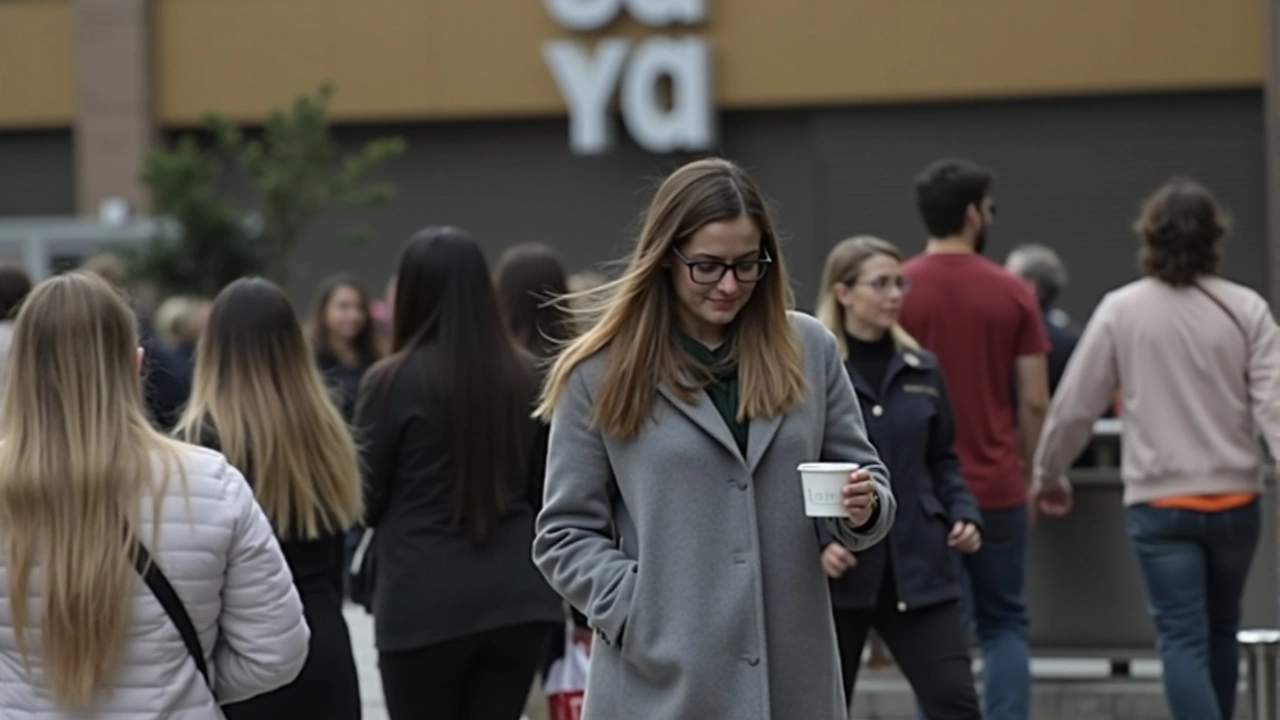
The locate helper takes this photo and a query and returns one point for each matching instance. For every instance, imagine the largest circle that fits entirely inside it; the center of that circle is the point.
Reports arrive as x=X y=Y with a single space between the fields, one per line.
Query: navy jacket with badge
x=910 y=423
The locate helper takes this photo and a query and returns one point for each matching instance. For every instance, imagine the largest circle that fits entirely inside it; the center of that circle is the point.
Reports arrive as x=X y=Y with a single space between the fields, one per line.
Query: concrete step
x=885 y=695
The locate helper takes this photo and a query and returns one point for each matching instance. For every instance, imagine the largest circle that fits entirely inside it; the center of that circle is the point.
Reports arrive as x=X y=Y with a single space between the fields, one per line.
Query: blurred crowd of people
x=489 y=458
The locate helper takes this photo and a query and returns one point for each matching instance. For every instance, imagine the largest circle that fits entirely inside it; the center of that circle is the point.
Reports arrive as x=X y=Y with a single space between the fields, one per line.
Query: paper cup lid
x=828 y=467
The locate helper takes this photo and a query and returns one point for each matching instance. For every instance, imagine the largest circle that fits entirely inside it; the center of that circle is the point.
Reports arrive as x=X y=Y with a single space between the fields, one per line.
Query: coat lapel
x=704 y=415
x=760 y=433
x=898 y=364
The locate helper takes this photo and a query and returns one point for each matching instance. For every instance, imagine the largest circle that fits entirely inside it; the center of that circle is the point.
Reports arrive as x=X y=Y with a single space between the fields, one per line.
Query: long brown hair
x=77 y=458
x=258 y=391
x=447 y=328
x=366 y=344
x=843 y=265
x=636 y=312
x=528 y=278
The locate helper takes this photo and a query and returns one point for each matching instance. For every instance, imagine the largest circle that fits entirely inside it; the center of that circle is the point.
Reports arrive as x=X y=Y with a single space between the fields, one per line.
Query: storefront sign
x=588 y=78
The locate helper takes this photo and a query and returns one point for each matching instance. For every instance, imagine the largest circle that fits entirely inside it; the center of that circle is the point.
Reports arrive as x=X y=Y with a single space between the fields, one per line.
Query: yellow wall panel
x=37 y=64
x=410 y=59
x=867 y=50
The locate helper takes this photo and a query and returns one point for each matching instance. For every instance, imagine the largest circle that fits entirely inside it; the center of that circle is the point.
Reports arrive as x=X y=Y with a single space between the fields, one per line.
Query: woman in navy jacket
x=908 y=588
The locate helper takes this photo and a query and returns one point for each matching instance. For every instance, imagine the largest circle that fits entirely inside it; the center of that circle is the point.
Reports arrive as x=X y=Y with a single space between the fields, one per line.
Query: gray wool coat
x=697 y=566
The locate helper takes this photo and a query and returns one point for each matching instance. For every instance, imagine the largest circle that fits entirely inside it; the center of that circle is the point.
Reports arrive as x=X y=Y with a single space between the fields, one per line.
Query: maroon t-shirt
x=978 y=319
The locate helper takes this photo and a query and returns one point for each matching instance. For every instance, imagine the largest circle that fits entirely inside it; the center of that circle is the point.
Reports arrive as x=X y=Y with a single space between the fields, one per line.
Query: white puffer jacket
x=220 y=555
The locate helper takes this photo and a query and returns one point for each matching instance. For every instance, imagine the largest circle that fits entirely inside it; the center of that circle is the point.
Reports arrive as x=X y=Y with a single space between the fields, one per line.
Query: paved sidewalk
x=361 y=626
x=1071 y=689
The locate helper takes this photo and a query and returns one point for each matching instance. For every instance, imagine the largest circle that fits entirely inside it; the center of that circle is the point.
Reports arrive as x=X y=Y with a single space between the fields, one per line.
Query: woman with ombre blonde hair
x=258 y=398
x=138 y=577
x=674 y=517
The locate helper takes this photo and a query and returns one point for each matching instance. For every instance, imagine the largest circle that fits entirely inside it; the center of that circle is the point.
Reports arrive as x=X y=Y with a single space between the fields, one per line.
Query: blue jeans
x=995 y=603
x=1194 y=565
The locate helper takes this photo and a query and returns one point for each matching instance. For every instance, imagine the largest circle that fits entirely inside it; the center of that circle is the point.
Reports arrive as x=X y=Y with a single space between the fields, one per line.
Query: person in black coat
x=259 y=400
x=346 y=344
x=907 y=588
x=528 y=278
x=166 y=377
x=1041 y=267
x=461 y=615
x=344 y=338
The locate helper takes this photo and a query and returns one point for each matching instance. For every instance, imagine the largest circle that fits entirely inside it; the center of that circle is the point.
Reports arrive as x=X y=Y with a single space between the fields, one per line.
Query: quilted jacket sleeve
x=263 y=636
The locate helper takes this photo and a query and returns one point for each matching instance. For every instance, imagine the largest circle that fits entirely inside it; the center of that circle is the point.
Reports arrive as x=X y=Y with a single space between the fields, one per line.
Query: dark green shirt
x=723 y=391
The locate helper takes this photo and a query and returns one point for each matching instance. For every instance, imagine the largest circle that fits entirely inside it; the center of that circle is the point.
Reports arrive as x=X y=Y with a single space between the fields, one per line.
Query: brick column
x=115 y=123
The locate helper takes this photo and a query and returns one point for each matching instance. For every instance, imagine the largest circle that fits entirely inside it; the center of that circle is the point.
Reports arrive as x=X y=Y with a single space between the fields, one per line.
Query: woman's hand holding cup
x=860 y=497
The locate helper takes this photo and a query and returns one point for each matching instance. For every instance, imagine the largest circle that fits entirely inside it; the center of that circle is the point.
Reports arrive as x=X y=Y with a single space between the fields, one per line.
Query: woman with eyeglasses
x=674 y=517
x=907 y=588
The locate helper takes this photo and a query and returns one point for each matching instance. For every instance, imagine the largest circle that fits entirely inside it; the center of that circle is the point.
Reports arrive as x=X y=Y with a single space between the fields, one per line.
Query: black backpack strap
x=1248 y=344
x=172 y=605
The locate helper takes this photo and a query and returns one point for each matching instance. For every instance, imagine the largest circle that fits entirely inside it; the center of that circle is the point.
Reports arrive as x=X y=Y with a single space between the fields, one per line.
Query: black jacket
x=910 y=423
x=343 y=381
x=328 y=688
x=432 y=584
x=1062 y=342
x=166 y=380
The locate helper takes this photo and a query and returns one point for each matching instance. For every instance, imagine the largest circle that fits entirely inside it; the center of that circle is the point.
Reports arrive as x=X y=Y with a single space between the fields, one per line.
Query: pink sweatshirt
x=1190 y=418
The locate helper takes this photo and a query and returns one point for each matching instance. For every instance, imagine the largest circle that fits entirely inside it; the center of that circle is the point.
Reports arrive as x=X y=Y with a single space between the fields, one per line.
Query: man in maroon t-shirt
x=984 y=325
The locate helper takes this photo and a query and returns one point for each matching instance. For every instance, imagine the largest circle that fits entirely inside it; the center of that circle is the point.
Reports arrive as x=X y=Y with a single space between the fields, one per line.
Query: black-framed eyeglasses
x=710 y=272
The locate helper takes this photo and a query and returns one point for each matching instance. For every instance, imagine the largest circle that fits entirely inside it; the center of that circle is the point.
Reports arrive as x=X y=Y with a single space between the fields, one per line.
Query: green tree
x=292 y=172
x=208 y=243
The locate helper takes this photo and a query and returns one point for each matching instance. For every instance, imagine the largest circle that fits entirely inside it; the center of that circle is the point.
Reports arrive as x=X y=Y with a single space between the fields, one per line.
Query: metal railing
x=1261 y=648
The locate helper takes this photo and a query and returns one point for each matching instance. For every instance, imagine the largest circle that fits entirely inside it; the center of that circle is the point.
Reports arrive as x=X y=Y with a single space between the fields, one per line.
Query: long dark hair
x=447 y=326
x=14 y=287
x=528 y=277
x=366 y=343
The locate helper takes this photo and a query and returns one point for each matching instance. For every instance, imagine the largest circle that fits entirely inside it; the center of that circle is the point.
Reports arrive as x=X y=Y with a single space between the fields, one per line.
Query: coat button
x=752 y=660
x=902 y=607
x=877 y=411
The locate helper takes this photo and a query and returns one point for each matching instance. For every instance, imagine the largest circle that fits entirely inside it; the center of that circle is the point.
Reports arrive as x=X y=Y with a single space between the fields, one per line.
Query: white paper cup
x=821 y=483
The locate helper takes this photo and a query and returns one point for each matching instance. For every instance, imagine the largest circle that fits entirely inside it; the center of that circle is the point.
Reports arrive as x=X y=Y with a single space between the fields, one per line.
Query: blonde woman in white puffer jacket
x=92 y=501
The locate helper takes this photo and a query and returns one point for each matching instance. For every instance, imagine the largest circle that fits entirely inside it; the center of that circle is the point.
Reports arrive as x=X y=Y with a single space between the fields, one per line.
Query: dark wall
x=1071 y=174
x=37 y=173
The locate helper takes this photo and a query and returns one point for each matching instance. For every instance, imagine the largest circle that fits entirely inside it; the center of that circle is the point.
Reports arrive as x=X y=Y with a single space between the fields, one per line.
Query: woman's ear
x=137 y=361
x=841 y=291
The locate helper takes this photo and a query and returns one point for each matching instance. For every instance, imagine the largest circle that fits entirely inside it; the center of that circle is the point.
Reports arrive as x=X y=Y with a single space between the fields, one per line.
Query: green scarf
x=723 y=390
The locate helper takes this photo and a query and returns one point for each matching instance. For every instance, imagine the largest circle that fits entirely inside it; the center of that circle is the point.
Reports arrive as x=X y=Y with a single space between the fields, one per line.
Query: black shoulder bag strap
x=172 y=605
x=1248 y=344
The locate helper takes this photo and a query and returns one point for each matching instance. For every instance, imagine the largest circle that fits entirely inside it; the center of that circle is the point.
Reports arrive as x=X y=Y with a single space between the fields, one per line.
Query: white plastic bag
x=566 y=681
